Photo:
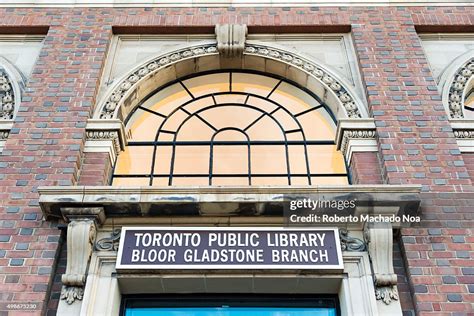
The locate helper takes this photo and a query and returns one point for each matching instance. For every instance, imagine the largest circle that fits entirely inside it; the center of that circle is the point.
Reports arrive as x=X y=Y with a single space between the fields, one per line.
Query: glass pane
x=231 y=98
x=265 y=129
x=299 y=181
x=297 y=159
x=163 y=159
x=168 y=99
x=325 y=159
x=293 y=98
x=208 y=84
x=329 y=181
x=262 y=104
x=195 y=129
x=230 y=311
x=230 y=181
x=134 y=160
x=223 y=124
x=160 y=181
x=191 y=160
x=175 y=120
x=268 y=159
x=131 y=181
x=251 y=83
x=189 y=181
x=230 y=159
x=143 y=126
x=285 y=120
x=318 y=125
x=199 y=104
x=269 y=181
x=230 y=116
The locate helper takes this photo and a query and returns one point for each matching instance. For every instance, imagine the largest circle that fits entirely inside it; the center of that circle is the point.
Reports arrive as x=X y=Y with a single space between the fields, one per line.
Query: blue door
x=230 y=311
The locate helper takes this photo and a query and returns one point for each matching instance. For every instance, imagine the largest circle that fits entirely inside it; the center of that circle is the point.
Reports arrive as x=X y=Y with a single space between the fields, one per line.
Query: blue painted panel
x=231 y=311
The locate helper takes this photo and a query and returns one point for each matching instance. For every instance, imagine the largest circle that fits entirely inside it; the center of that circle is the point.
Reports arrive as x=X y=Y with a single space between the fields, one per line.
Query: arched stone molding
x=456 y=81
x=122 y=98
x=12 y=84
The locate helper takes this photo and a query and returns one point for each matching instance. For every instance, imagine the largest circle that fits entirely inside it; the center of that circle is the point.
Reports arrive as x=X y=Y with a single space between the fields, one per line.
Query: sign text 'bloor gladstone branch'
x=229 y=248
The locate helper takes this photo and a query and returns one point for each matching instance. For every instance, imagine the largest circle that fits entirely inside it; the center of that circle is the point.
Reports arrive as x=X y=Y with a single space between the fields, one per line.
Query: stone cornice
x=225 y=3
x=219 y=201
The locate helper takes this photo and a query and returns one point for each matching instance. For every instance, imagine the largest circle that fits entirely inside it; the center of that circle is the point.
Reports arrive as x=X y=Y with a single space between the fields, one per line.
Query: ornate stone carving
x=7 y=97
x=81 y=233
x=112 y=135
x=116 y=97
x=457 y=87
x=231 y=39
x=464 y=134
x=349 y=243
x=4 y=134
x=355 y=134
x=109 y=243
x=379 y=238
x=312 y=69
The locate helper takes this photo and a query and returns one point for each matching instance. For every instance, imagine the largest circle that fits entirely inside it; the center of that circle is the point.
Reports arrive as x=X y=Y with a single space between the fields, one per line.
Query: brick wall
x=469 y=162
x=439 y=255
x=365 y=168
x=96 y=169
x=416 y=144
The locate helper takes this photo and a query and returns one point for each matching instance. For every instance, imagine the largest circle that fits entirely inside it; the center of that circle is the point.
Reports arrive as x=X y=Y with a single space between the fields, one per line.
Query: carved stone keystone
x=81 y=233
x=379 y=238
x=231 y=39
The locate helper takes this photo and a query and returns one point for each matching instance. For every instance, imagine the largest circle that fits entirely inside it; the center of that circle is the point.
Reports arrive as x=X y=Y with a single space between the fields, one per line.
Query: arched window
x=230 y=128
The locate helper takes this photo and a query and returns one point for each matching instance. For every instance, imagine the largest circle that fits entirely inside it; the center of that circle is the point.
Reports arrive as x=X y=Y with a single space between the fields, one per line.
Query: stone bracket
x=81 y=234
x=379 y=237
x=231 y=39
x=356 y=135
x=105 y=136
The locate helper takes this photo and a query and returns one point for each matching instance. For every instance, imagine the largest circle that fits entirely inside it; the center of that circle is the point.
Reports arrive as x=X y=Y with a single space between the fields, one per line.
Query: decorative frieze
x=464 y=133
x=112 y=135
x=457 y=87
x=105 y=136
x=328 y=81
x=356 y=135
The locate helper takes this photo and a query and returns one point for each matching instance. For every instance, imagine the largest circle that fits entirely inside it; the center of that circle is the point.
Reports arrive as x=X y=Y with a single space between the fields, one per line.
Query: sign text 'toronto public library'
x=229 y=248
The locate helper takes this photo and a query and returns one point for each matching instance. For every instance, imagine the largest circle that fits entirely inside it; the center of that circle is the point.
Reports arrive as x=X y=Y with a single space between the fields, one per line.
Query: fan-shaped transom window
x=230 y=128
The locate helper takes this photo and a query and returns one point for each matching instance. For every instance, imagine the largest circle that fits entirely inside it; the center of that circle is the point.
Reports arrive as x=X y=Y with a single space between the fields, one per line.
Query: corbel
x=106 y=136
x=81 y=234
x=231 y=39
x=379 y=238
x=356 y=135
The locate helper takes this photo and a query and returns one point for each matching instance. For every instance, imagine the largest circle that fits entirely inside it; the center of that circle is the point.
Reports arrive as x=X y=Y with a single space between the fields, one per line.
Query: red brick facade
x=45 y=146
